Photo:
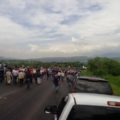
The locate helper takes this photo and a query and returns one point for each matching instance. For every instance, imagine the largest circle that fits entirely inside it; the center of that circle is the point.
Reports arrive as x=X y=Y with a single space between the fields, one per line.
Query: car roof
x=93 y=99
x=89 y=78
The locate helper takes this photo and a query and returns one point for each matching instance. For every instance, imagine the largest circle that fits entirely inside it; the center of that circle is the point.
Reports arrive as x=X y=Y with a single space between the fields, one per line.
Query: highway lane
x=23 y=104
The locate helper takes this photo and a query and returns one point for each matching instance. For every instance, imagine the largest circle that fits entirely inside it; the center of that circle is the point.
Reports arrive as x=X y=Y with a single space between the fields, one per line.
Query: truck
x=86 y=106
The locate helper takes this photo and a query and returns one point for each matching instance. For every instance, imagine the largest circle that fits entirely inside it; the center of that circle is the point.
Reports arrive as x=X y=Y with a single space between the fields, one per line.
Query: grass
x=113 y=80
x=115 y=83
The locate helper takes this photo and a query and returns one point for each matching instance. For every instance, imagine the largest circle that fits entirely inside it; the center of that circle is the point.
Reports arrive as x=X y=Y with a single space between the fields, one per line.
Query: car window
x=62 y=105
x=85 y=112
x=94 y=87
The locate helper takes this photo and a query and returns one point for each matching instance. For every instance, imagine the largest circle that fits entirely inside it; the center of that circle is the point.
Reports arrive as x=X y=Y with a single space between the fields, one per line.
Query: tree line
x=103 y=66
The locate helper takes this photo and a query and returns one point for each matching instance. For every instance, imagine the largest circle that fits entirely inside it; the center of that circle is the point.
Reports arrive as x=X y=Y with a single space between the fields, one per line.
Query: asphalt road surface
x=21 y=104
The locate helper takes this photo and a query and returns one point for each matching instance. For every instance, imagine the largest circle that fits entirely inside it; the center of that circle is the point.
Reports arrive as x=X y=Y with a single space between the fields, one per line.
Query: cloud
x=59 y=28
x=9 y=30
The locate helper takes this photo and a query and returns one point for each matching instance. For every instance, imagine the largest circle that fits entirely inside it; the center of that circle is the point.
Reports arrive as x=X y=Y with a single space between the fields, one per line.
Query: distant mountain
x=83 y=59
x=2 y=58
x=5 y=58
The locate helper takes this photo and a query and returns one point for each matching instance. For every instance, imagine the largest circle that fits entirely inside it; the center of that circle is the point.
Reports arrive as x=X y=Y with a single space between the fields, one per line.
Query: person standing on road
x=1 y=73
x=35 y=75
x=28 y=78
x=56 y=81
x=8 y=77
x=15 y=75
x=39 y=80
x=71 y=80
x=21 y=77
x=49 y=74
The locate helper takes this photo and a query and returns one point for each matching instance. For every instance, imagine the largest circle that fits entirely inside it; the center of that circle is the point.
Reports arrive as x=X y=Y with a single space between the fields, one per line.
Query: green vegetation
x=115 y=83
x=104 y=66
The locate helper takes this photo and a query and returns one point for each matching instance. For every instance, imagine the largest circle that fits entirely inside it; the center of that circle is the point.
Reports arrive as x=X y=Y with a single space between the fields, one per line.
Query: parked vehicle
x=86 y=106
x=93 y=85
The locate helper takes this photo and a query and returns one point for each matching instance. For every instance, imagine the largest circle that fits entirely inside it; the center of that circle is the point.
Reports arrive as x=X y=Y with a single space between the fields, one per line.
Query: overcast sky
x=46 y=28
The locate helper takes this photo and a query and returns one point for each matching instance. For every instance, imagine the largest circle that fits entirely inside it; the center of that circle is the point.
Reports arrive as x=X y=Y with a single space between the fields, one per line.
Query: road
x=21 y=104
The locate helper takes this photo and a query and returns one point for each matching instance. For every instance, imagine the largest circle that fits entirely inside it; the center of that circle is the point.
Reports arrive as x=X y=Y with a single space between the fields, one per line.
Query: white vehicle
x=86 y=106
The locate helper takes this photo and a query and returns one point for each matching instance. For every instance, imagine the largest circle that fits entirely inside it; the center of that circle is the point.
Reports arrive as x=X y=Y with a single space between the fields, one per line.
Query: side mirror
x=50 y=109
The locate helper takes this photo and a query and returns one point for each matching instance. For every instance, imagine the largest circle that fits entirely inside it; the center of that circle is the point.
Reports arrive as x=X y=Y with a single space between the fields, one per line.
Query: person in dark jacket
x=56 y=82
x=28 y=78
x=1 y=74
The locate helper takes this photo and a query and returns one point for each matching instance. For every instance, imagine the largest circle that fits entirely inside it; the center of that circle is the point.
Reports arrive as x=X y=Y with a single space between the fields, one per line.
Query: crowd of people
x=29 y=75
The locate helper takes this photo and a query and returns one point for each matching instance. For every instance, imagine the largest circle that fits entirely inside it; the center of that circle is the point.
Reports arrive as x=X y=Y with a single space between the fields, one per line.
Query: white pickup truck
x=86 y=106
